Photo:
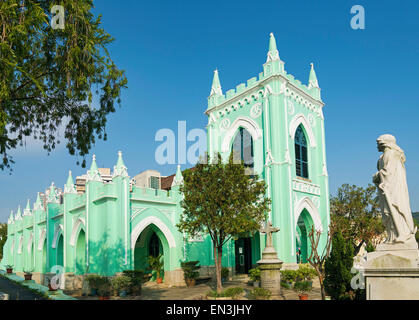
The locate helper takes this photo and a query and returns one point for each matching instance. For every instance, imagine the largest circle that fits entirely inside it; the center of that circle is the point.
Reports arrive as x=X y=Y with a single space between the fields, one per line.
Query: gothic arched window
x=242 y=148
x=301 y=160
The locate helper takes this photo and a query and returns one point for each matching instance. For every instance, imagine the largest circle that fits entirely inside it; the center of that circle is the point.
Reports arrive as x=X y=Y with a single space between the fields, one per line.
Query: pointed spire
x=11 y=218
x=216 y=86
x=94 y=165
x=69 y=186
x=18 y=214
x=38 y=203
x=27 y=211
x=52 y=195
x=178 y=179
x=273 y=53
x=312 y=80
x=93 y=174
x=120 y=169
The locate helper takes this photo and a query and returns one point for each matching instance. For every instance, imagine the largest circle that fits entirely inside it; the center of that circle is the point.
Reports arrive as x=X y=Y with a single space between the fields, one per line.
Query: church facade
x=273 y=122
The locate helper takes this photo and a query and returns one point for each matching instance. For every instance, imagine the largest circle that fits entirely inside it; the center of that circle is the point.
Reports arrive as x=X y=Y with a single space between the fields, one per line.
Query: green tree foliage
x=221 y=200
x=355 y=213
x=338 y=267
x=3 y=238
x=48 y=77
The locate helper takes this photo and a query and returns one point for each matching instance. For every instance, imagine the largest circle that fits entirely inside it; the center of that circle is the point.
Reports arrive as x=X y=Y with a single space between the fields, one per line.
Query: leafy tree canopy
x=355 y=213
x=48 y=77
x=223 y=201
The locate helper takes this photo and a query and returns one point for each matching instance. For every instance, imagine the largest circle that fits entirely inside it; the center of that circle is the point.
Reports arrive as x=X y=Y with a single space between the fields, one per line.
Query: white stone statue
x=393 y=193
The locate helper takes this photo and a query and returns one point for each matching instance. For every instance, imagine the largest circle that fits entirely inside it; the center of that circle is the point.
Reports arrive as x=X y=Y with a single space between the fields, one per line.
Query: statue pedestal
x=392 y=273
x=270 y=271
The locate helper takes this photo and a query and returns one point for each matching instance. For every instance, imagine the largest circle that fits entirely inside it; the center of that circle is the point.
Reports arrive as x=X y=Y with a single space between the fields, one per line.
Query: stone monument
x=270 y=265
x=392 y=271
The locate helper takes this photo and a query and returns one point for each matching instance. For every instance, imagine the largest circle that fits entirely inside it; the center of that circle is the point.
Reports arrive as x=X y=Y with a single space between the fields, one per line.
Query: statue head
x=385 y=140
x=389 y=141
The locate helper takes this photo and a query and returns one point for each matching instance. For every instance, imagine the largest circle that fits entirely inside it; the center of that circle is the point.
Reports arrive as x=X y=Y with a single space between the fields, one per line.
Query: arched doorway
x=81 y=253
x=303 y=246
x=151 y=242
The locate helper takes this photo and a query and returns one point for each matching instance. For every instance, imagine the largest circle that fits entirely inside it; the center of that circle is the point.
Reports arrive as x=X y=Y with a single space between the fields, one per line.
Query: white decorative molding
x=225 y=124
x=19 y=248
x=305 y=186
x=30 y=242
x=78 y=225
x=311 y=120
x=42 y=237
x=307 y=204
x=57 y=232
x=301 y=119
x=256 y=110
x=136 y=211
x=70 y=189
x=159 y=224
x=247 y=124
x=290 y=107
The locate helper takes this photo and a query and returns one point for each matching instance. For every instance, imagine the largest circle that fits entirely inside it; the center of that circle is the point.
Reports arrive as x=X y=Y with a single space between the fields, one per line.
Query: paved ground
x=154 y=291
x=17 y=292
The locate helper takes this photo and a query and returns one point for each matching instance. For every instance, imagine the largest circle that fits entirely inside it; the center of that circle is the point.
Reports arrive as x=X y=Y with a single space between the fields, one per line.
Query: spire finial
x=216 y=86
x=120 y=169
x=273 y=53
x=312 y=80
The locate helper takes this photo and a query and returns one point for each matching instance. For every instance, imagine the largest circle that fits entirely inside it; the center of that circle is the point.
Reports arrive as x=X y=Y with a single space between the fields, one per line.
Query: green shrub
x=260 y=294
x=338 y=268
x=254 y=274
x=136 y=276
x=369 y=247
x=286 y=284
x=224 y=273
x=103 y=285
x=190 y=269
x=305 y=273
x=94 y=281
x=289 y=275
x=120 y=283
x=233 y=292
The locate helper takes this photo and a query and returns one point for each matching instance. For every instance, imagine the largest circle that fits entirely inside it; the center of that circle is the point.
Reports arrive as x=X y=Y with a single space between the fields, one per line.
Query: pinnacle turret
x=273 y=53
x=178 y=179
x=312 y=80
x=69 y=186
x=216 y=86
x=93 y=174
x=120 y=169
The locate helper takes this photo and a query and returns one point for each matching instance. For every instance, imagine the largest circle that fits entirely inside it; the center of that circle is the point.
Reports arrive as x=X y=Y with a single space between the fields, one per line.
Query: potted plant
x=302 y=287
x=287 y=278
x=121 y=284
x=156 y=264
x=104 y=288
x=9 y=268
x=92 y=280
x=137 y=278
x=254 y=275
x=224 y=274
x=28 y=275
x=190 y=272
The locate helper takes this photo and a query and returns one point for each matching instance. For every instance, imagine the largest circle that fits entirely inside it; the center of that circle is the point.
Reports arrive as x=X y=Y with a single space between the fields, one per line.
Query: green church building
x=106 y=222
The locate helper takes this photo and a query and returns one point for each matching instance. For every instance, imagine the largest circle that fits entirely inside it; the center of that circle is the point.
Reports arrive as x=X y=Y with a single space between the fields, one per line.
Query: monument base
x=392 y=273
x=270 y=271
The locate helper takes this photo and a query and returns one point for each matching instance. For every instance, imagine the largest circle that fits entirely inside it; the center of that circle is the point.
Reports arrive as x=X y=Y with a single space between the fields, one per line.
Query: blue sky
x=169 y=49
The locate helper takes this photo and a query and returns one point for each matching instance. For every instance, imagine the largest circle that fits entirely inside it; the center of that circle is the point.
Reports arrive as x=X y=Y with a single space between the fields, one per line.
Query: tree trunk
x=218 y=253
